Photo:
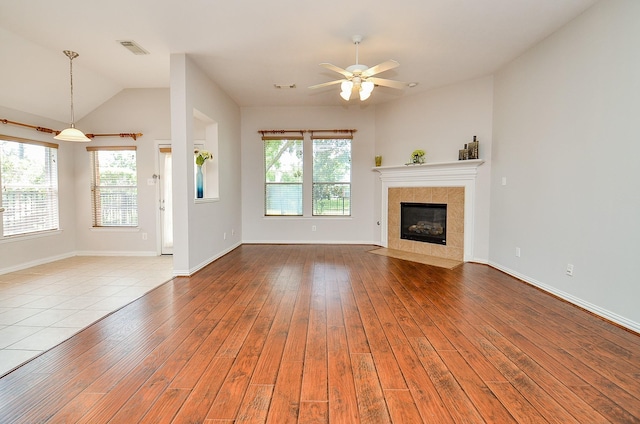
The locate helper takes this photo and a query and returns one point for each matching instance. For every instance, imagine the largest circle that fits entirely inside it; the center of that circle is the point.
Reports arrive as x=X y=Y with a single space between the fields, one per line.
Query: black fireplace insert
x=425 y=222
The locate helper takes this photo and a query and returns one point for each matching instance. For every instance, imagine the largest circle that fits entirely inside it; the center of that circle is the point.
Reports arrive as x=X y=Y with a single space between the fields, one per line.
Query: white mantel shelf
x=461 y=169
x=444 y=174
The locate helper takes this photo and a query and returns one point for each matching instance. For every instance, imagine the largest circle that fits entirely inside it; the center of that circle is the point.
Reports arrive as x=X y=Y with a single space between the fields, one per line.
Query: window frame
x=300 y=184
x=96 y=187
x=307 y=184
x=315 y=183
x=50 y=185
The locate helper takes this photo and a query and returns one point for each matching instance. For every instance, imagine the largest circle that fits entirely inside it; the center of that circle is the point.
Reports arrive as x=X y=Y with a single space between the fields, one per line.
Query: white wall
x=359 y=227
x=22 y=252
x=200 y=227
x=441 y=122
x=566 y=139
x=145 y=111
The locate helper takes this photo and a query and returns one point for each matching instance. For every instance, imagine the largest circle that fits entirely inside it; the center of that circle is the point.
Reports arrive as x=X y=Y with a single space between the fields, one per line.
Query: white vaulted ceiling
x=248 y=46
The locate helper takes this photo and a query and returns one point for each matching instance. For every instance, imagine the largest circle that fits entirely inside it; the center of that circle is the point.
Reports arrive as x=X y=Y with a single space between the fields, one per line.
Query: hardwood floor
x=319 y=333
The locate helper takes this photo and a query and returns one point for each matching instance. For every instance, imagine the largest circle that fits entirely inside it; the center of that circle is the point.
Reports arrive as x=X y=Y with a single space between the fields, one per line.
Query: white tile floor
x=45 y=305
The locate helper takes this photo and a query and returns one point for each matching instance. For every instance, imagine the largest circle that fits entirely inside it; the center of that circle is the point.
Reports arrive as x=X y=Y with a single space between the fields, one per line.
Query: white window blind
x=29 y=181
x=114 y=186
x=283 y=165
x=331 y=194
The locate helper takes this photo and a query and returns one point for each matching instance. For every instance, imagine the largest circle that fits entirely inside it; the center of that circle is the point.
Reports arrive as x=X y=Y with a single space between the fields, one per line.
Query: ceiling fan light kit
x=360 y=78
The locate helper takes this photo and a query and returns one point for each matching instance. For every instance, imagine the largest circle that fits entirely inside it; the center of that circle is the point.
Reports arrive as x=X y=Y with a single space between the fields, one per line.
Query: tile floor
x=42 y=306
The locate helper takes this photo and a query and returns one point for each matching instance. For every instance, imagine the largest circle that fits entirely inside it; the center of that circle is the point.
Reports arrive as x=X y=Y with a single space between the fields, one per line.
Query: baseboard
x=367 y=242
x=479 y=261
x=595 y=309
x=116 y=253
x=37 y=262
x=193 y=270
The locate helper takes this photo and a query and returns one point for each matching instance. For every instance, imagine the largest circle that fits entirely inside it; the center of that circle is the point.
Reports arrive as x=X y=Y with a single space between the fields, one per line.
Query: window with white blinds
x=283 y=164
x=331 y=194
x=29 y=181
x=114 y=186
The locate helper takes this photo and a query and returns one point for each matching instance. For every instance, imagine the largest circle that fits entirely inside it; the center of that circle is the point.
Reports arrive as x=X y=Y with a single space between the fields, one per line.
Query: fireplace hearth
x=424 y=222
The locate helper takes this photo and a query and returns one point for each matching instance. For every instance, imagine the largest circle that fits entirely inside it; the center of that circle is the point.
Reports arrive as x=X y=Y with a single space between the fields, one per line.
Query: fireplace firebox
x=425 y=222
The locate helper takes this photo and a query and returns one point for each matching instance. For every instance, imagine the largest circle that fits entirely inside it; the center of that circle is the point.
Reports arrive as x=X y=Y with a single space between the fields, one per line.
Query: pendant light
x=71 y=133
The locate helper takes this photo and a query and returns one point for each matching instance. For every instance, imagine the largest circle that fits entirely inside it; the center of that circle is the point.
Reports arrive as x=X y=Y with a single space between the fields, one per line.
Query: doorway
x=165 y=199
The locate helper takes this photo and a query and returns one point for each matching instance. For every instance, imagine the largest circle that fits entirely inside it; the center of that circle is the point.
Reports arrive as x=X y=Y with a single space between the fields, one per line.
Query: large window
x=114 y=186
x=331 y=176
x=283 y=164
x=326 y=158
x=29 y=181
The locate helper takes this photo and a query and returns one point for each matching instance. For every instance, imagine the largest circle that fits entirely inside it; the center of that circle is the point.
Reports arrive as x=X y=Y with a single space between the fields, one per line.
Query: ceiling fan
x=360 y=78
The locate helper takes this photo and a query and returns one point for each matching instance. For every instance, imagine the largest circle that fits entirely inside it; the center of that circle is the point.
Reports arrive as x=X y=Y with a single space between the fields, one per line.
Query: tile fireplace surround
x=452 y=183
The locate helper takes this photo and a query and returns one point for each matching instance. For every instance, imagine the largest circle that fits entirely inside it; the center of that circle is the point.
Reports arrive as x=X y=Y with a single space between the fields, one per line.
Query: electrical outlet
x=570 y=270
x=504 y=180
x=313 y=228
x=144 y=236
x=517 y=252
x=224 y=236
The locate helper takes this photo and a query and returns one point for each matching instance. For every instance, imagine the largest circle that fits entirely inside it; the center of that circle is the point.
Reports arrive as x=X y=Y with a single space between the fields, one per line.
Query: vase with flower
x=201 y=156
x=417 y=156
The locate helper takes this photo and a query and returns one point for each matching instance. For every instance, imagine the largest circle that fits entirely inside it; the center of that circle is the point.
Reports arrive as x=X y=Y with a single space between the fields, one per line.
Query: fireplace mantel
x=461 y=169
x=444 y=174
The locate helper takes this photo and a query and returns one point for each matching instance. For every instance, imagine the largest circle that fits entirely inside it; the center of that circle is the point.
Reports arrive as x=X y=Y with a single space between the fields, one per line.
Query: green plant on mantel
x=417 y=156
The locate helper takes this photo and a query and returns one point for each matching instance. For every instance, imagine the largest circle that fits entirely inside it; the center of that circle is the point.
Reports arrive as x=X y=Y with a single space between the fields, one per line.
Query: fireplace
x=424 y=222
x=450 y=183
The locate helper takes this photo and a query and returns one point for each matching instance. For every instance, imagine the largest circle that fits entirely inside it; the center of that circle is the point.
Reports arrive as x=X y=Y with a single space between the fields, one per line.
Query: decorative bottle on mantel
x=473 y=147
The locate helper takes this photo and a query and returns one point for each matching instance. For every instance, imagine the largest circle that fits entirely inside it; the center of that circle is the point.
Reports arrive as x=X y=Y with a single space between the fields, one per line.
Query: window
x=29 y=181
x=114 y=186
x=331 y=176
x=283 y=164
x=326 y=158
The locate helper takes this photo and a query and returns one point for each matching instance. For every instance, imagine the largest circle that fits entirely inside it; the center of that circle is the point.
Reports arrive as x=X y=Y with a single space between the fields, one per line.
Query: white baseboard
x=193 y=270
x=604 y=313
x=49 y=259
x=309 y=242
x=116 y=253
x=36 y=262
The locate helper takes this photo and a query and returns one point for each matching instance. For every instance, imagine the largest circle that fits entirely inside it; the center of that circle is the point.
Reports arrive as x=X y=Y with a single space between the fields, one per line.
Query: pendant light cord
x=71 y=55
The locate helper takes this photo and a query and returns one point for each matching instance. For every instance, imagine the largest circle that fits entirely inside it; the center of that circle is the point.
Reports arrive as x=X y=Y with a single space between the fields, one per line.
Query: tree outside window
x=331 y=177
x=283 y=164
x=29 y=180
x=114 y=188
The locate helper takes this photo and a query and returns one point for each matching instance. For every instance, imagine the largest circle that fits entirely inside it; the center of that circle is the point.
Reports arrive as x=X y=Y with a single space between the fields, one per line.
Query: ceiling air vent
x=133 y=47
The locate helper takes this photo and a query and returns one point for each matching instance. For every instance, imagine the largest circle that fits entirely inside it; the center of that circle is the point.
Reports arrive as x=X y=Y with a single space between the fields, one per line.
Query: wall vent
x=133 y=47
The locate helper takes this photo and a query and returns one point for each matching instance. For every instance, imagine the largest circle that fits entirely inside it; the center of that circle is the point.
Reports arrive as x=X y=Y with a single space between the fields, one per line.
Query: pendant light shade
x=72 y=134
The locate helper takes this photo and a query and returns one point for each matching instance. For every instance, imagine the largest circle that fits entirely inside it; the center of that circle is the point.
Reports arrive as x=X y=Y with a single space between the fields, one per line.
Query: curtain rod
x=343 y=131
x=56 y=132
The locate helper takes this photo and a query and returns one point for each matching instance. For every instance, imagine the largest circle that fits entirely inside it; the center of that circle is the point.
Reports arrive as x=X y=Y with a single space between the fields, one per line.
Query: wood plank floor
x=323 y=333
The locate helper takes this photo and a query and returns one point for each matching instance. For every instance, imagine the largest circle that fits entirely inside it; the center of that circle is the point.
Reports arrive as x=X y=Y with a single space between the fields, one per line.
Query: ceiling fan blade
x=384 y=66
x=337 y=69
x=388 y=83
x=325 y=84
